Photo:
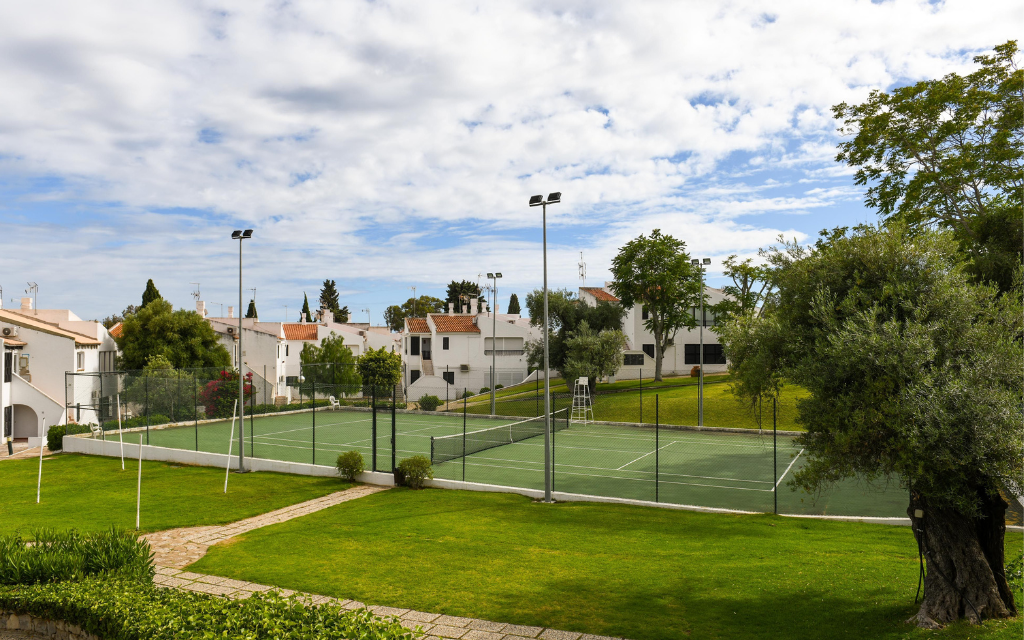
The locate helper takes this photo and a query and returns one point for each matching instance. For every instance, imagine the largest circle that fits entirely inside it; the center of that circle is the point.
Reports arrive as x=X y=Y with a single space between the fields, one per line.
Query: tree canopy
x=395 y=315
x=749 y=291
x=305 y=315
x=914 y=375
x=329 y=299
x=565 y=314
x=251 y=311
x=330 y=362
x=948 y=152
x=150 y=294
x=461 y=292
x=513 y=304
x=655 y=271
x=182 y=337
x=381 y=369
x=593 y=354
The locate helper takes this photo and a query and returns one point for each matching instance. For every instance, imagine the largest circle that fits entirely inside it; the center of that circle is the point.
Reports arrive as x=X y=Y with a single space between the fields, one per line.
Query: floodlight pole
x=700 y=373
x=494 y=340
x=240 y=236
x=535 y=201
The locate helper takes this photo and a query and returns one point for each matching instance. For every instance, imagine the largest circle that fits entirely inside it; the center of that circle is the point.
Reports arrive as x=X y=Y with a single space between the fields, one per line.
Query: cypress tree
x=251 y=311
x=513 y=304
x=150 y=294
x=305 y=308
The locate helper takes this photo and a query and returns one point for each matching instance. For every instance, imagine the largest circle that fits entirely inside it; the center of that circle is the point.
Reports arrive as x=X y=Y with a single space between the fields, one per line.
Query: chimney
x=201 y=308
x=26 y=304
x=327 y=316
x=451 y=308
x=231 y=312
x=472 y=306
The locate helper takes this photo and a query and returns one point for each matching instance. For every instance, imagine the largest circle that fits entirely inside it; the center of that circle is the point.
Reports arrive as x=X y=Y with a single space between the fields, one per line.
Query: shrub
x=130 y=610
x=55 y=434
x=55 y=556
x=350 y=464
x=484 y=389
x=499 y=386
x=416 y=470
x=429 y=403
x=218 y=396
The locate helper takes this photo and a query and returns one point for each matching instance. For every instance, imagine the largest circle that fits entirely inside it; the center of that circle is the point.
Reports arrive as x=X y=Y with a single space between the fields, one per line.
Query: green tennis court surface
x=708 y=469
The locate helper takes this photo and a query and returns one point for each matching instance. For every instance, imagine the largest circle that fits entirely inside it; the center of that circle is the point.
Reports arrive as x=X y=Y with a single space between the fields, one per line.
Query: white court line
x=788 y=468
x=643 y=456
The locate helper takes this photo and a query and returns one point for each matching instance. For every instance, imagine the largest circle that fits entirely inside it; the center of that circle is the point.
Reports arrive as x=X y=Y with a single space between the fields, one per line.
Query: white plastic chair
x=97 y=430
x=334 y=403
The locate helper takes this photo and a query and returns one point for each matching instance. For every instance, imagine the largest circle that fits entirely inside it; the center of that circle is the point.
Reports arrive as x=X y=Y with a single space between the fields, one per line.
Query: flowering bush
x=218 y=396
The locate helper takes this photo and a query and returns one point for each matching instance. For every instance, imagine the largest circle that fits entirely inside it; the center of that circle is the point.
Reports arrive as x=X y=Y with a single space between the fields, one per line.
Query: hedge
x=120 y=609
x=55 y=556
x=55 y=434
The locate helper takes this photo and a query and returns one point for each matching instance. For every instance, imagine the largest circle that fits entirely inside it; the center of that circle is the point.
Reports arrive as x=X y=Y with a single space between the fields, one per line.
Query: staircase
x=428 y=367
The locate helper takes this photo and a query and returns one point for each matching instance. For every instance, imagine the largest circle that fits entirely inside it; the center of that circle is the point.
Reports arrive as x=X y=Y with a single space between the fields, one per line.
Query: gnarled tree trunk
x=965 y=566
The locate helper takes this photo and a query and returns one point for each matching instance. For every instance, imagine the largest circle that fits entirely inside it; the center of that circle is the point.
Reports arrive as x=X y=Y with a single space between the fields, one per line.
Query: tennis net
x=445 y=448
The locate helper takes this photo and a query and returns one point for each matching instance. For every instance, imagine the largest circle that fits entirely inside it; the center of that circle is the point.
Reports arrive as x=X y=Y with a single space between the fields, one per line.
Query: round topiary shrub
x=429 y=403
x=416 y=470
x=349 y=465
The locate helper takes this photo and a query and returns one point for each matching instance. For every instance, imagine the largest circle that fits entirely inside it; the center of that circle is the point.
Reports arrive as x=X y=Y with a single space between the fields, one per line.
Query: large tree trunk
x=965 y=567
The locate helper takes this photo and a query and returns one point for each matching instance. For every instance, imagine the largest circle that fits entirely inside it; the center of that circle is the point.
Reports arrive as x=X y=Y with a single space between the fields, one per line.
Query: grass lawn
x=677 y=404
x=92 y=492
x=614 y=570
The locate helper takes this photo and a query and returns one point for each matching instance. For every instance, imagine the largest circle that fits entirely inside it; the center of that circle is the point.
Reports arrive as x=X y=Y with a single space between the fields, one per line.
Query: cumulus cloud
x=398 y=141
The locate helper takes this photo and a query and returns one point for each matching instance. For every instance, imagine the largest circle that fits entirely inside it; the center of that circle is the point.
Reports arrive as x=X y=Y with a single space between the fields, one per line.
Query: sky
x=389 y=145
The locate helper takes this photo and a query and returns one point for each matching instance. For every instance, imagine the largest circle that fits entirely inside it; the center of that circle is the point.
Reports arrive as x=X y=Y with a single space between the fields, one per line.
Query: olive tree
x=914 y=374
x=593 y=354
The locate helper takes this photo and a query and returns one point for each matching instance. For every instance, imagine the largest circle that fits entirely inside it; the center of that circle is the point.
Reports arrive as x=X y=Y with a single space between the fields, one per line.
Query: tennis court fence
x=636 y=443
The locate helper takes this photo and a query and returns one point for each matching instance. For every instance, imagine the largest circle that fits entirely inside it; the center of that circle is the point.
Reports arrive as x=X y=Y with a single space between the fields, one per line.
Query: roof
x=417 y=325
x=116 y=330
x=300 y=331
x=454 y=323
x=51 y=328
x=12 y=342
x=600 y=294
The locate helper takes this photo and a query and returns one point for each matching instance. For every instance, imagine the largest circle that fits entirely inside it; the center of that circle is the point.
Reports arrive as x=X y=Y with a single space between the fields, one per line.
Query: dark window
x=633 y=360
x=8 y=421
x=691 y=355
x=285 y=355
x=291 y=381
x=444 y=345
x=414 y=375
x=714 y=354
x=644 y=313
x=8 y=365
x=649 y=349
x=414 y=347
x=449 y=376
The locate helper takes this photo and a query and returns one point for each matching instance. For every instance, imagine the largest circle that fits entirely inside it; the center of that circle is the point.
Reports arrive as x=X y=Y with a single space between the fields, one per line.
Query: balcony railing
x=505 y=352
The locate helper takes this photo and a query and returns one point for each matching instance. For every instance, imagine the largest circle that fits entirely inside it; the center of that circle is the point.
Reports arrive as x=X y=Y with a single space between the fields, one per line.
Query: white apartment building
x=446 y=353
x=40 y=348
x=681 y=356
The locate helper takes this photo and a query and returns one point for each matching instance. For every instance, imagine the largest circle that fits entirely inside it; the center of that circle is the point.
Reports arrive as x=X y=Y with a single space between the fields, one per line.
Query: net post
x=775 y=454
x=657 y=449
x=252 y=410
x=373 y=410
x=314 y=421
x=465 y=392
x=147 y=408
x=394 y=428
x=195 y=405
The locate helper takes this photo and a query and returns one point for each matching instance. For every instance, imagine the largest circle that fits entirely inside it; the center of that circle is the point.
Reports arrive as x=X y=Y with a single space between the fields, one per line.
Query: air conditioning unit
x=463 y=368
x=231 y=331
x=10 y=332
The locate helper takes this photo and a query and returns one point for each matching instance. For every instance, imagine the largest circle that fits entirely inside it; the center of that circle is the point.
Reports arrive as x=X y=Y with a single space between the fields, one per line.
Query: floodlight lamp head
x=247 y=234
x=536 y=200
x=695 y=262
x=490 y=275
x=554 y=197
x=497 y=275
x=236 y=234
x=707 y=260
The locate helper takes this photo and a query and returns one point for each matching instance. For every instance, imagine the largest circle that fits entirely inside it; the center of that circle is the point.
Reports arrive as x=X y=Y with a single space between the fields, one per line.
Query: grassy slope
x=93 y=493
x=613 y=570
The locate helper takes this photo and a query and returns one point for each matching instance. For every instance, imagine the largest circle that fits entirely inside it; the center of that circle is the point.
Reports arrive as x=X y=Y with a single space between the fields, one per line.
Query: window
x=278 y=351
x=691 y=355
x=644 y=313
x=108 y=361
x=81 y=361
x=449 y=376
x=633 y=360
x=414 y=348
x=649 y=349
x=8 y=366
x=444 y=345
x=285 y=354
x=714 y=354
x=505 y=346
x=414 y=375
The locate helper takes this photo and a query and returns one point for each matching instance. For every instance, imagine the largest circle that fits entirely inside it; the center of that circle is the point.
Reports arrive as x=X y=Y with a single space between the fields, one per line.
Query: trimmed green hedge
x=55 y=434
x=55 y=556
x=117 y=609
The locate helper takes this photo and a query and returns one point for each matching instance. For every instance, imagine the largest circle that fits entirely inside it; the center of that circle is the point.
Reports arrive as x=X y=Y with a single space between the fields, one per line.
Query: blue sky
x=388 y=145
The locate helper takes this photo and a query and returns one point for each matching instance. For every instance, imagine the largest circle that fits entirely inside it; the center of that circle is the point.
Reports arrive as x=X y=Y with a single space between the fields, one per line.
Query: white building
x=681 y=356
x=40 y=348
x=444 y=354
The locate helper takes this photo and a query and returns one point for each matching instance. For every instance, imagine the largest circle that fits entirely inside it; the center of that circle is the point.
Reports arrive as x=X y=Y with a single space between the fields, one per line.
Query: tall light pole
x=700 y=264
x=539 y=201
x=240 y=235
x=494 y=336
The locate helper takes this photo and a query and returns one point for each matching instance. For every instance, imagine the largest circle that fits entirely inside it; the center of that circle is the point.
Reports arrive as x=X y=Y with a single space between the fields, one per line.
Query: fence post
x=314 y=421
x=195 y=407
x=373 y=409
x=775 y=454
x=641 y=395
x=465 y=393
x=147 y=409
x=394 y=429
x=252 y=409
x=657 y=449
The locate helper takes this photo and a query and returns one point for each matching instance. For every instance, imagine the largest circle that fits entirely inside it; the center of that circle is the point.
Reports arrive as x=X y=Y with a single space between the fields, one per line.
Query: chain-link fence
x=673 y=441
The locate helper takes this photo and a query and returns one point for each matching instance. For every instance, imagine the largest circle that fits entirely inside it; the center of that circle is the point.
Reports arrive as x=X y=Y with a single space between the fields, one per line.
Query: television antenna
x=196 y=294
x=33 y=289
x=583 y=270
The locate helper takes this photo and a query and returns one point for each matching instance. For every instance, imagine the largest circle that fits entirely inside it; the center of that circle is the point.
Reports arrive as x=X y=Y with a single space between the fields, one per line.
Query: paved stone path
x=22 y=451
x=175 y=549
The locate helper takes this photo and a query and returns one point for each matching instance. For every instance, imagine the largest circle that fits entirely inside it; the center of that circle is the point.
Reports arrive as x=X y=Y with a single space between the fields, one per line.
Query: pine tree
x=460 y=292
x=251 y=311
x=329 y=299
x=150 y=294
x=305 y=309
x=513 y=304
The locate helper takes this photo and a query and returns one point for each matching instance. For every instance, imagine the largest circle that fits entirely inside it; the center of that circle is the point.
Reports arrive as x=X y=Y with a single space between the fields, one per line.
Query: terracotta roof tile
x=116 y=330
x=300 y=331
x=417 y=325
x=454 y=324
x=600 y=294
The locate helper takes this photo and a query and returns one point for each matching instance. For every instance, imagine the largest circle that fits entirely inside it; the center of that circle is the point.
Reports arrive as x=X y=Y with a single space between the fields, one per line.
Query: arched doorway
x=26 y=422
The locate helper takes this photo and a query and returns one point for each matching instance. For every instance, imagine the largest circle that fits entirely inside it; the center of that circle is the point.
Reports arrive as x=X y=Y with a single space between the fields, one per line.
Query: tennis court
x=642 y=462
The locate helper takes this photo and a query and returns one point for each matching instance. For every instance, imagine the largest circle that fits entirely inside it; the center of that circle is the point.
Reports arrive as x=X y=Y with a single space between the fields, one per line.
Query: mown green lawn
x=92 y=493
x=616 y=570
